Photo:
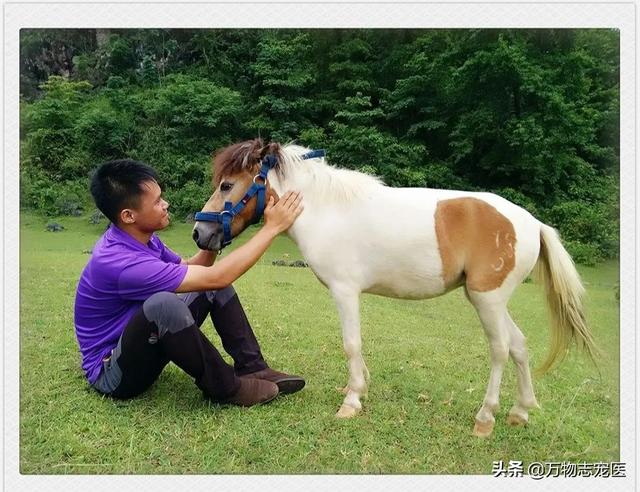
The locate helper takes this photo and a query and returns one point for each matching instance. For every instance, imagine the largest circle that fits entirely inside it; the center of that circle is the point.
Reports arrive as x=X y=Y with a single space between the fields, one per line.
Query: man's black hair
x=117 y=185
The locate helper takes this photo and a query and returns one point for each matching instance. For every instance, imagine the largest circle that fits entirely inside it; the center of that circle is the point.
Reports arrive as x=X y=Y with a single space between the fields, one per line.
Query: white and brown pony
x=358 y=235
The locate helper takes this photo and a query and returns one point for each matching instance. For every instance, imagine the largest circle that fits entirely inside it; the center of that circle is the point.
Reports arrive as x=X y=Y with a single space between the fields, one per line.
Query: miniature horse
x=358 y=235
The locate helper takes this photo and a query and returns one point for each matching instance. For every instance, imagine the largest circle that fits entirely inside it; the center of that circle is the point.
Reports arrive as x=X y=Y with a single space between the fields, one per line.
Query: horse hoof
x=483 y=429
x=514 y=420
x=346 y=412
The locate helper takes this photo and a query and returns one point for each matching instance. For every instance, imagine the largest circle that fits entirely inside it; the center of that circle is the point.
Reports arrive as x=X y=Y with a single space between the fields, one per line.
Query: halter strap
x=313 y=154
x=257 y=188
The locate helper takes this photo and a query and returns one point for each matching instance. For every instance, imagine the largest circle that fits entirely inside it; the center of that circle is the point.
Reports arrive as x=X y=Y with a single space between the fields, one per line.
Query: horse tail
x=564 y=291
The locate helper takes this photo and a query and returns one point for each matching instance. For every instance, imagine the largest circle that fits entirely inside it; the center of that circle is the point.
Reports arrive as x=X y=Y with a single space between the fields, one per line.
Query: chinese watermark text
x=538 y=470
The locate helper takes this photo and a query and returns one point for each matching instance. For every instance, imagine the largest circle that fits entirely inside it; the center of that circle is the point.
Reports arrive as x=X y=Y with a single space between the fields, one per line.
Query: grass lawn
x=428 y=360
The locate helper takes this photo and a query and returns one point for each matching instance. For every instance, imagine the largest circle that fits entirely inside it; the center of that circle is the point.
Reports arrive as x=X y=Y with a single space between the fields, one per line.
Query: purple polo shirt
x=121 y=274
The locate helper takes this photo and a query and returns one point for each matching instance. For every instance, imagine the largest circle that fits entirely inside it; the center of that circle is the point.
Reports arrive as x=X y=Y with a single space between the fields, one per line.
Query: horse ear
x=255 y=152
x=271 y=148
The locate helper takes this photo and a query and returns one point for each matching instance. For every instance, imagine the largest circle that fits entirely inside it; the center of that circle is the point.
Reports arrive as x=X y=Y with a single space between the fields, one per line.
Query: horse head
x=241 y=189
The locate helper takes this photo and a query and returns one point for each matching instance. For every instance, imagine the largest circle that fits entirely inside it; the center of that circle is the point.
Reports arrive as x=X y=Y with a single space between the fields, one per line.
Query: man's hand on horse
x=282 y=214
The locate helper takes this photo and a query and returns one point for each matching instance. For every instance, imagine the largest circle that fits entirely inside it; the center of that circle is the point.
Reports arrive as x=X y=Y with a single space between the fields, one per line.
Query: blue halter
x=257 y=188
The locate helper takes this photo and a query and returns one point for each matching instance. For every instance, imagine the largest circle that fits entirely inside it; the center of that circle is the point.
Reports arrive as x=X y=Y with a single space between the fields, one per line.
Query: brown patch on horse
x=475 y=241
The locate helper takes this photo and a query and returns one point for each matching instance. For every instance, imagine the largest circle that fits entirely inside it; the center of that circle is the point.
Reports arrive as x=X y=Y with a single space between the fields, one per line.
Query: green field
x=428 y=360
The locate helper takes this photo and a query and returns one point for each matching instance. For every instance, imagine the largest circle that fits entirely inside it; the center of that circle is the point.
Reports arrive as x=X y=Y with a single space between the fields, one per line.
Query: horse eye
x=226 y=186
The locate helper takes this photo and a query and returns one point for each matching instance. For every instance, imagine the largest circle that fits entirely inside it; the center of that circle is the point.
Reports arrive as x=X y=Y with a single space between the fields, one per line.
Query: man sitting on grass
x=130 y=322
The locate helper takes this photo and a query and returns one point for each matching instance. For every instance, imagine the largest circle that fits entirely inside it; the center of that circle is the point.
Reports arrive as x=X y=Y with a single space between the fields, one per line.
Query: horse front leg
x=348 y=304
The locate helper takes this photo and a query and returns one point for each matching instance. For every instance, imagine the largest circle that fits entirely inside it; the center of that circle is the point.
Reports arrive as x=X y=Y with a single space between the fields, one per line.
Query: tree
x=283 y=74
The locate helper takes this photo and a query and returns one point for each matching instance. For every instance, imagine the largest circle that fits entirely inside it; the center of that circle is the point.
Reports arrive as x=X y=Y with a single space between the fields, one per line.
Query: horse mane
x=327 y=184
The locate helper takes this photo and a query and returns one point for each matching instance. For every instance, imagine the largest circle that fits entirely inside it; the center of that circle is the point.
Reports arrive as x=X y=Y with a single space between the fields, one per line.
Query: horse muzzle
x=208 y=235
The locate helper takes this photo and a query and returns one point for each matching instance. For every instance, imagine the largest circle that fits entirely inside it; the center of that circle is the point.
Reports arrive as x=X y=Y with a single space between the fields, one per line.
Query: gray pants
x=142 y=350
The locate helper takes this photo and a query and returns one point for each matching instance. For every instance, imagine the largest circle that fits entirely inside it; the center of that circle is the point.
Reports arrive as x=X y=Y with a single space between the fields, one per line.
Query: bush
x=76 y=165
x=67 y=204
x=195 y=107
x=519 y=199
x=314 y=137
x=85 y=68
x=37 y=190
x=156 y=145
x=102 y=131
x=40 y=192
x=587 y=224
x=440 y=175
x=48 y=124
x=48 y=148
x=176 y=171
x=54 y=227
x=121 y=55
x=584 y=253
x=96 y=217
x=116 y=82
x=188 y=199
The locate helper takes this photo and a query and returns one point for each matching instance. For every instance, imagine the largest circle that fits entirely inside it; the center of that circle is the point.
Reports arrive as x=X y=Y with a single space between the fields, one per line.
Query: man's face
x=151 y=214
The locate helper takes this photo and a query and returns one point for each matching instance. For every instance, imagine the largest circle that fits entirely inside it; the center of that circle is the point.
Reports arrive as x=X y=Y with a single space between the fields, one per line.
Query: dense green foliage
x=532 y=115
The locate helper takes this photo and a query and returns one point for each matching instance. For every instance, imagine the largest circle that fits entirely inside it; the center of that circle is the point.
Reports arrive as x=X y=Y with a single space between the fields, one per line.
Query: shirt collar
x=116 y=233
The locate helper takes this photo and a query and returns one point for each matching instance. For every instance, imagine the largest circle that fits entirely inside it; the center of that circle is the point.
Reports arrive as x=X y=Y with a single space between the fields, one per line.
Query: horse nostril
x=195 y=235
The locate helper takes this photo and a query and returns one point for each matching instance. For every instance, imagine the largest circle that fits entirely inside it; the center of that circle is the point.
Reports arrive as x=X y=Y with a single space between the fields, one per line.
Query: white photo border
x=316 y=15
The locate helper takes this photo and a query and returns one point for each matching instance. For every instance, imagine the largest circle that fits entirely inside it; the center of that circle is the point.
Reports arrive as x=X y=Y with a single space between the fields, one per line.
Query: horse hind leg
x=348 y=304
x=491 y=312
x=519 y=413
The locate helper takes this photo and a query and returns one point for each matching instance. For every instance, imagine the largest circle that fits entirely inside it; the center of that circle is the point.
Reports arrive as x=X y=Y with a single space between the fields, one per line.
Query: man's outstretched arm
x=202 y=258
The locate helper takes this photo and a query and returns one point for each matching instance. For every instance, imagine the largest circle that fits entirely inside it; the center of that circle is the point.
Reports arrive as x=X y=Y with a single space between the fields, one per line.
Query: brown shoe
x=252 y=392
x=287 y=383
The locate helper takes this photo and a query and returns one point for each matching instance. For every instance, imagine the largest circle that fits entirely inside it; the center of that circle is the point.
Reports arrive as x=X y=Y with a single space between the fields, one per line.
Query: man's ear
x=127 y=216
